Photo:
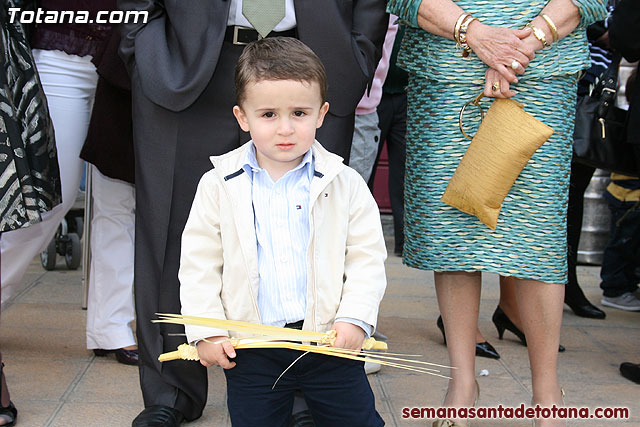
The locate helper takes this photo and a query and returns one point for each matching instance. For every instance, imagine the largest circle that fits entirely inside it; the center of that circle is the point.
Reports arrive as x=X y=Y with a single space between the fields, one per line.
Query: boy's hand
x=348 y=336
x=211 y=353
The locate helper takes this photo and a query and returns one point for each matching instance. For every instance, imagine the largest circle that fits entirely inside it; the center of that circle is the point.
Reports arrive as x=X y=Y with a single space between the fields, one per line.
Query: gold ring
x=495 y=87
x=515 y=64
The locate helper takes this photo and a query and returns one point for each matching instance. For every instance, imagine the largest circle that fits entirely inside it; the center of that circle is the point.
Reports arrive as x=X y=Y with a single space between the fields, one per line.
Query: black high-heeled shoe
x=483 y=349
x=502 y=322
x=8 y=413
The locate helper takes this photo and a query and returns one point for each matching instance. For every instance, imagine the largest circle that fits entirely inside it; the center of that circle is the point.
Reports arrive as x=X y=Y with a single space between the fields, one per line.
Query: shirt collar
x=250 y=164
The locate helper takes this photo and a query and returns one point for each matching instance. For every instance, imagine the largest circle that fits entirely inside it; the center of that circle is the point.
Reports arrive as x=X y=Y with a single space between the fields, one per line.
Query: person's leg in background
x=392 y=120
x=364 y=148
x=619 y=271
x=397 y=151
x=574 y=297
x=69 y=83
x=8 y=412
x=110 y=308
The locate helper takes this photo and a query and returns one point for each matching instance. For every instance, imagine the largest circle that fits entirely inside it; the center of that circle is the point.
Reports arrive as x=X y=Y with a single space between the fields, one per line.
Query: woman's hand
x=212 y=353
x=501 y=48
x=496 y=86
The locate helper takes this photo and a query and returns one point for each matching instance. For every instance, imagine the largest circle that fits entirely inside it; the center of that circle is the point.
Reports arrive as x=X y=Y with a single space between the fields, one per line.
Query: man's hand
x=211 y=353
x=348 y=336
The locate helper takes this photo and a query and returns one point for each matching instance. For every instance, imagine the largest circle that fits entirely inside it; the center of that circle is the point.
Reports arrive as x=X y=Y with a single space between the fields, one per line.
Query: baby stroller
x=66 y=241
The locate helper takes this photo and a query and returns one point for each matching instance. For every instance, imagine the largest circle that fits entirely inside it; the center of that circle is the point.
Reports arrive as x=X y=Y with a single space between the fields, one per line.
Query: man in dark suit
x=182 y=66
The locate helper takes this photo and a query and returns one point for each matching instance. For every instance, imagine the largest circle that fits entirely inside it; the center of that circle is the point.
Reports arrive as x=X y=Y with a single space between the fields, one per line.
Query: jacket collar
x=327 y=165
x=237 y=185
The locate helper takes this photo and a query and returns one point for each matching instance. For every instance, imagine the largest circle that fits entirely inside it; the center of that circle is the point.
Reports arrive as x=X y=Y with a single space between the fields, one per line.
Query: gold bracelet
x=552 y=27
x=462 y=36
x=539 y=34
x=456 y=28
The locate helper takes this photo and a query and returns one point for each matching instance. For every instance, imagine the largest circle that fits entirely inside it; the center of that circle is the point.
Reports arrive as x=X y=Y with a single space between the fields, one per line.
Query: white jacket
x=219 y=263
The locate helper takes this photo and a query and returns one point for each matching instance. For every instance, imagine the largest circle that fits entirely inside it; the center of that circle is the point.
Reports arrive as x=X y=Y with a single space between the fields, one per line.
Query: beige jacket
x=219 y=265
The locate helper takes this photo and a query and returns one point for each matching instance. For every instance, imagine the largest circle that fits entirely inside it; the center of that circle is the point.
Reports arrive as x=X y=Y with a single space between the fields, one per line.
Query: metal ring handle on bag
x=476 y=103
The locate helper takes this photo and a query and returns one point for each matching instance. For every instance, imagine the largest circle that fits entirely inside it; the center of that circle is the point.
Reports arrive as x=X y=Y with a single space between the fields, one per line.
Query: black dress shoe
x=483 y=349
x=127 y=357
x=587 y=310
x=631 y=371
x=583 y=308
x=502 y=322
x=158 y=416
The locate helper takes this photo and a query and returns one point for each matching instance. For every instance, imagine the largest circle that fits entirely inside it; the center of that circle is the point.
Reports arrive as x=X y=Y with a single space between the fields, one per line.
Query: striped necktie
x=264 y=15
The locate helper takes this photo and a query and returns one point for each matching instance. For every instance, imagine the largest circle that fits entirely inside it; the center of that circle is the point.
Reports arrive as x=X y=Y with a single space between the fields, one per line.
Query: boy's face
x=282 y=117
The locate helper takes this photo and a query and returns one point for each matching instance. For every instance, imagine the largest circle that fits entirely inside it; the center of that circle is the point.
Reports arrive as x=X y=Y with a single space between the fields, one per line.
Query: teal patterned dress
x=530 y=239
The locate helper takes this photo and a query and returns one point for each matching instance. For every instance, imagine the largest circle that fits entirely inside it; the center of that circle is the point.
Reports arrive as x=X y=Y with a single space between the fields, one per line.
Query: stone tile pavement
x=55 y=381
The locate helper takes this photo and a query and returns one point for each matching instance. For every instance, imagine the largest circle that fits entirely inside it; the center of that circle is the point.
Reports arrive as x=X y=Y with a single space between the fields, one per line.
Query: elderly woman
x=531 y=50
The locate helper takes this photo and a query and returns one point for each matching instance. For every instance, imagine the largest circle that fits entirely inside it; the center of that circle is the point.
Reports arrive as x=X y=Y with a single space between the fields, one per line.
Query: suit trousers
x=69 y=83
x=336 y=390
x=579 y=181
x=392 y=120
x=110 y=305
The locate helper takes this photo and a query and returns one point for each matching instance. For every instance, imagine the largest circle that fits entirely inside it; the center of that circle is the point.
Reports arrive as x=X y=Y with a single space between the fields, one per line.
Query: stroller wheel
x=73 y=255
x=48 y=256
x=78 y=224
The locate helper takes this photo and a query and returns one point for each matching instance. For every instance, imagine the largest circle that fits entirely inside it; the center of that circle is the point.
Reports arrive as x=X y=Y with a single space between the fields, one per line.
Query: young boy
x=282 y=233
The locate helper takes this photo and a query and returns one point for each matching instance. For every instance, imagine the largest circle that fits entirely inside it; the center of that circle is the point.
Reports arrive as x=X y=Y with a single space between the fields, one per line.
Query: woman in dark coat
x=109 y=147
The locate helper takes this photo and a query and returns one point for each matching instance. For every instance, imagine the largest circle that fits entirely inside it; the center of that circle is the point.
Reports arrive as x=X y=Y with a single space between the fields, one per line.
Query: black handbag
x=600 y=127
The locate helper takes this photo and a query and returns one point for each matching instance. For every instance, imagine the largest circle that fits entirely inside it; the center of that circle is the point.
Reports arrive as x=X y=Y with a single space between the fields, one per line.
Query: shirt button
x=283 y=259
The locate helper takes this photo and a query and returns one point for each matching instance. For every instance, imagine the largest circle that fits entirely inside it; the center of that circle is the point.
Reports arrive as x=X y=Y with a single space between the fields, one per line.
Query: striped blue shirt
x=281 y=215
x=282 y=226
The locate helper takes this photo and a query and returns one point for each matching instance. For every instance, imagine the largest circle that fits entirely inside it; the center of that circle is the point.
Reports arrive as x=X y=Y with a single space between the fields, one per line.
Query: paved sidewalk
x=55 y=381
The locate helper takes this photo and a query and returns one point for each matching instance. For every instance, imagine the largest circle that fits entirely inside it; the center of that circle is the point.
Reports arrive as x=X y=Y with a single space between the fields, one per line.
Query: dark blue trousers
x=336 y=390
x=620 y=271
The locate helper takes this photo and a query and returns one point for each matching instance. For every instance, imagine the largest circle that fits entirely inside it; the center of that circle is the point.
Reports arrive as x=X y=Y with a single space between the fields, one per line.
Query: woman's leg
x=110 y=305
x=508 y=302
x=459 y=302
x=8 y=411
x=540 y=305
x=4 y=391
x=69 y=83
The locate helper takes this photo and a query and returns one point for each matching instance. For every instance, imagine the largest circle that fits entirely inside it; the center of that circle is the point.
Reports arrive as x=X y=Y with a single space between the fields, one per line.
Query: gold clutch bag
x=505 y=141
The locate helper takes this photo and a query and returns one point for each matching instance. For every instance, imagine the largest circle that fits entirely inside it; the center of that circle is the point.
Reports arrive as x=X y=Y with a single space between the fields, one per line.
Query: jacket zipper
x=313 y=271
x=254 y=300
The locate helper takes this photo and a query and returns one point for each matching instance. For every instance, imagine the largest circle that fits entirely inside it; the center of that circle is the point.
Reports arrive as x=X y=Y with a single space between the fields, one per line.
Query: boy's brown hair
x=278 y=58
